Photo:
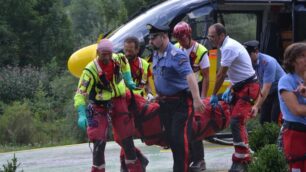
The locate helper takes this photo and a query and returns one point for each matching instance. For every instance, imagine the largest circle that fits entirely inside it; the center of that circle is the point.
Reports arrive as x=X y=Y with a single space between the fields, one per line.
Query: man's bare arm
x=220 y=79
x=205 y=82
x=193 y=86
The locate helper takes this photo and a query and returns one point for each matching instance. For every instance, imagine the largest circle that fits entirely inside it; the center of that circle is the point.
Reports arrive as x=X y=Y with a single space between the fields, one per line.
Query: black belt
x=178 y=95
x=294 y=126
x=105 y=103
x=236 y=87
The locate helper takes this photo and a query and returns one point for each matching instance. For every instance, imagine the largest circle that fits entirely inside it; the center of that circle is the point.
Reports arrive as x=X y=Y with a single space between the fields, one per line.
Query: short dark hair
x=292 y=52
x=132 y=39
x=219 y=28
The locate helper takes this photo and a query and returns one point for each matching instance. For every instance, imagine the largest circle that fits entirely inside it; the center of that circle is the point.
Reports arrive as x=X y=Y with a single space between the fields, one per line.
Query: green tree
x=33 y=32
x=8 y=48
x=138 y=5
x=93 y=17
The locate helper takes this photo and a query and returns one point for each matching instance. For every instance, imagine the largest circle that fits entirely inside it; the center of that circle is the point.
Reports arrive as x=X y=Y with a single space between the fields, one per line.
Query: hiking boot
x=197 y=166
x=96 y=169
x=143 y=160
x=238 y=167
x=123 y=167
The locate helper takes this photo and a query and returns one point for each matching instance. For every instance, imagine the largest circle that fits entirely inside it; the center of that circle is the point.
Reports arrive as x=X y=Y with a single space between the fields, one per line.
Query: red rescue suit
x=295 y=151
x=244 y=95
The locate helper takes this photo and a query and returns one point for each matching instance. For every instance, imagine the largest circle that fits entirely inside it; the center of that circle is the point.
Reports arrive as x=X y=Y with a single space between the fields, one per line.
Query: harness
x=138 y=76
x=193 y=55
x=238 y=86
x=102 y=82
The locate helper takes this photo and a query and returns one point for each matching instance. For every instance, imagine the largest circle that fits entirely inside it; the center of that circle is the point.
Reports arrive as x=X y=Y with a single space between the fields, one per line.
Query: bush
x=263 y=135
x=70 y=128
x=63 y=88
x=17 y=124
x=268 y=159
x=11 y=166
x=18 y=83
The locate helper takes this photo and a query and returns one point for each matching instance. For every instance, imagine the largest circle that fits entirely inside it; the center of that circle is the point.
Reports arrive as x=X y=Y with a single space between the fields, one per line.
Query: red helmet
x=181 y=29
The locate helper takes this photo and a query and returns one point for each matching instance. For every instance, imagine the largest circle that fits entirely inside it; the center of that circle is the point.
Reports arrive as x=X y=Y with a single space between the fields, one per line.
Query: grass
x=15 y=147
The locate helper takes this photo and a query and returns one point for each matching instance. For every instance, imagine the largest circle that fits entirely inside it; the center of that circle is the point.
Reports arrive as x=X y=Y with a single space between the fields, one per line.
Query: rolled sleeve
x=285 y=84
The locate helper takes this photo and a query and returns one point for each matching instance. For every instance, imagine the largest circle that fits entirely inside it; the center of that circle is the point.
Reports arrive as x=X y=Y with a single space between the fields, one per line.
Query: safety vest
x=142 y=79
x=94 y=85
x=199 y=51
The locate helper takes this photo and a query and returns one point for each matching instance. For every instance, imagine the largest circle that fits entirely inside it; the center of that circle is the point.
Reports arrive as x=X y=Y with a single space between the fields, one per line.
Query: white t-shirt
x=237 y=59
x=204 y=63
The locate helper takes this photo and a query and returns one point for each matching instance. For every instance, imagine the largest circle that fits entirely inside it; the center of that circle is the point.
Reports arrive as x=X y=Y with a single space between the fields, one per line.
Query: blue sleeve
x=269 y=73
x=286 y=83
x=182 y=65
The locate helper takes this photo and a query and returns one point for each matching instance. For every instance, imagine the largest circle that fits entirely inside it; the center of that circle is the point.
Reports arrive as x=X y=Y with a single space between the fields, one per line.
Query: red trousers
x=240 y=113
x=295 y=149
x=120 y=117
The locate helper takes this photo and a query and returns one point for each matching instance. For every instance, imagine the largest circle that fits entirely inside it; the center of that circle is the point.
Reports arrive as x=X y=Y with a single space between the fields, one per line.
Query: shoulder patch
x=173 y=52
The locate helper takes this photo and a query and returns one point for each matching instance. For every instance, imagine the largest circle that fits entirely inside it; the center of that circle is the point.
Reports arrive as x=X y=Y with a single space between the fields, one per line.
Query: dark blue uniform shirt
x=170 y=71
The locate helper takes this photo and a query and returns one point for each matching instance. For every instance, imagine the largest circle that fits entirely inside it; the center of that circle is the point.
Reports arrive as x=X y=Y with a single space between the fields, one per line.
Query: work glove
x=213 y=100
x=82 y=121
x=128 y=80
x=226 y=96
x=150 y=97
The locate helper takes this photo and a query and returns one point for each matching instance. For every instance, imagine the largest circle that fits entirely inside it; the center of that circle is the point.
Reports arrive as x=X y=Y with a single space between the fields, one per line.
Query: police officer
x=268 y=72
x=104 y=82
x=237 y=65
x=174 y=80
x=199 y=62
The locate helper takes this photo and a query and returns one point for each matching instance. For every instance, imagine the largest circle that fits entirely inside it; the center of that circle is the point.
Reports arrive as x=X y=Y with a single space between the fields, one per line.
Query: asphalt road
x=77 y=158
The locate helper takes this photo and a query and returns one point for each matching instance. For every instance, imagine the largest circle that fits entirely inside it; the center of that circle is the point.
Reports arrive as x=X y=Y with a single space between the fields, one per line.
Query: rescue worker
x=174 y=80
x=199 y=62
x=236 y=64
x=197 y=54
x=268 y=72
x=104 y=82
x=140 y=68
x=140 y=71
x=293 y=106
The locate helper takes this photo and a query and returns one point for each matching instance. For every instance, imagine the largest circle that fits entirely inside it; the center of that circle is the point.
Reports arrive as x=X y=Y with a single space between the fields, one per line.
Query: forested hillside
x=36 y=90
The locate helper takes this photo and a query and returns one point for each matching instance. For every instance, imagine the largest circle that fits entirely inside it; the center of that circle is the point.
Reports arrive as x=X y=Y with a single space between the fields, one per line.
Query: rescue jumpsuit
x=245 y=90
x=140 y=72
x=105 y=88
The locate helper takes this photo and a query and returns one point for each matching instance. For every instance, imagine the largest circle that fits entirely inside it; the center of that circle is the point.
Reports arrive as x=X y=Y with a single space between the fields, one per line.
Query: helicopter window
x=241 y=31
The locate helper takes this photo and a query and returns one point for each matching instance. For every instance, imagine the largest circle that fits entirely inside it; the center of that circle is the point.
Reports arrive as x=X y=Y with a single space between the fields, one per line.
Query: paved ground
x=77 y=158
